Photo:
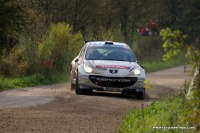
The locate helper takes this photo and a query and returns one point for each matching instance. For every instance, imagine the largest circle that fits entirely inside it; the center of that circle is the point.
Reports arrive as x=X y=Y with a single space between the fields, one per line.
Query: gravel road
x=55 y=109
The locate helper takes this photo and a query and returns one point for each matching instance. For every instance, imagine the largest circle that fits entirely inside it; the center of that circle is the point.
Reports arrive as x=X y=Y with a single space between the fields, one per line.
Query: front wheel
x=140 y=95
x=77 y=89
x=72 y=86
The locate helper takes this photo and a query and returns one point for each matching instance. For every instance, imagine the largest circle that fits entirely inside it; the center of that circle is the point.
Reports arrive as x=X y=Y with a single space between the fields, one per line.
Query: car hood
x=112 y=68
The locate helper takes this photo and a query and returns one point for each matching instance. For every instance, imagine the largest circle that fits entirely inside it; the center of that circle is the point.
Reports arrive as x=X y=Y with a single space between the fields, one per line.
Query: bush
x=107 y=35
x=167 y=112
x=149 y=49
x=60 y=46
x=63 y=46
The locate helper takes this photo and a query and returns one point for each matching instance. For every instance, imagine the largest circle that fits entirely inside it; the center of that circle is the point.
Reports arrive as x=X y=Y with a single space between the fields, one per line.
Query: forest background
x=41 y=37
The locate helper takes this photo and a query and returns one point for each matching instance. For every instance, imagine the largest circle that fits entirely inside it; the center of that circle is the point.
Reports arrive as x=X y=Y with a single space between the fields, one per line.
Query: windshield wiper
x=90 y=59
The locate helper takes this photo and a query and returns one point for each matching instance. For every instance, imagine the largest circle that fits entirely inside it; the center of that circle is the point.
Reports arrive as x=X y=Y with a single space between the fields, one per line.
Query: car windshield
x=109 y=53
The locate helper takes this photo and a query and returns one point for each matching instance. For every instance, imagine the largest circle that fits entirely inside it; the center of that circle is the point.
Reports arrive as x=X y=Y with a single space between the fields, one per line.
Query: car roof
x=106 y=43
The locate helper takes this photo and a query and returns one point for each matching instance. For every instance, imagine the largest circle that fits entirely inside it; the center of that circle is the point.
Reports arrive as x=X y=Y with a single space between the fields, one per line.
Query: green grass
x=33 y=80
x=168 y=112
x=160 y=65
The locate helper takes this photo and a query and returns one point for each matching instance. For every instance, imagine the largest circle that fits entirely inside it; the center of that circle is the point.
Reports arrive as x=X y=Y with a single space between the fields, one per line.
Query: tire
x=87 y=92
x=72 y=86
x=78 y=91
x=140 y=95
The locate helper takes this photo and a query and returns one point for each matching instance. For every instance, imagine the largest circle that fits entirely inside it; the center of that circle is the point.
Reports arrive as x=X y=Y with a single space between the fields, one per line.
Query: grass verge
x=33 y=80
x=171 y=111
x=160 y=65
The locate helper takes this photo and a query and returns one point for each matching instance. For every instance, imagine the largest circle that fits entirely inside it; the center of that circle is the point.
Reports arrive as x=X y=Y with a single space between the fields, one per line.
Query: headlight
x=87 y=68
x=136 y=71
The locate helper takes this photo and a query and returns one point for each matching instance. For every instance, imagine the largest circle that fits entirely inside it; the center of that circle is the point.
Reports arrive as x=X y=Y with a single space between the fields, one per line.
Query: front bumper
x=124 y=90
x=111 y=84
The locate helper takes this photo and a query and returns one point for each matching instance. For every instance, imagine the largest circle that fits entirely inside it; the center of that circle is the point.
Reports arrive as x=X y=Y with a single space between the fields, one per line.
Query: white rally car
x=107 y=66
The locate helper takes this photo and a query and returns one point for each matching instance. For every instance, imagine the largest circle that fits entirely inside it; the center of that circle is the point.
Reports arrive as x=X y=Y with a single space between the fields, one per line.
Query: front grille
x=117 y=82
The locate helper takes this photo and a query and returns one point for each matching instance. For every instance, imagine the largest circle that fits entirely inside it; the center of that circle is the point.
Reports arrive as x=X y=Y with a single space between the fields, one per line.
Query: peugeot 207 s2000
x=107 y=66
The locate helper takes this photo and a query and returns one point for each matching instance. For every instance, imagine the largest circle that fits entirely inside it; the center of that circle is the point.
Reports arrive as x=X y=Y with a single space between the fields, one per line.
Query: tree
x=189 y=20
x=173 y=41
x=133 y=13
x=11 y=23
x=181 y=15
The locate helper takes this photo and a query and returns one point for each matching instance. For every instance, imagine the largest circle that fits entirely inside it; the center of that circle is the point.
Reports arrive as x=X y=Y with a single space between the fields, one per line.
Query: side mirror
x=77 y=60
x=142 y=67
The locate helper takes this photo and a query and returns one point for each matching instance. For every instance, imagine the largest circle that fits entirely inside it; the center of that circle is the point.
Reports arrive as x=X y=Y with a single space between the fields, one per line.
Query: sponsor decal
x=112 y=66
x=113 y=80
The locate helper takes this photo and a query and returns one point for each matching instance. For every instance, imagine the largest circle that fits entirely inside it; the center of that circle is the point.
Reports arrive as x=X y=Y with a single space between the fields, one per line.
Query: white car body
x=120 y=73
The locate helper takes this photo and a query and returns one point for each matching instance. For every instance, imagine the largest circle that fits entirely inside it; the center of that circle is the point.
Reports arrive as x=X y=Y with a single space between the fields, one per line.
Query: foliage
x=12 y=17
x=103 y=34
x=57 y=77
x=173 y=41
x=33 y=80
x=148 y=47
x=156 y=65
x=190 y=16
x=194 y=55
x=36 y=79
x=148 y=85
x=194 y=99
x=64 y=45
x=180 y=15
x=194 y=104
x=60 y=46
x=90 y=16
x=169 y=12
x=170 y=112
x=174 y=112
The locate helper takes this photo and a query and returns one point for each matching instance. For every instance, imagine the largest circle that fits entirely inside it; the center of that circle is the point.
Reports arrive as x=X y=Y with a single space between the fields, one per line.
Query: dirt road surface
x=55 y=109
